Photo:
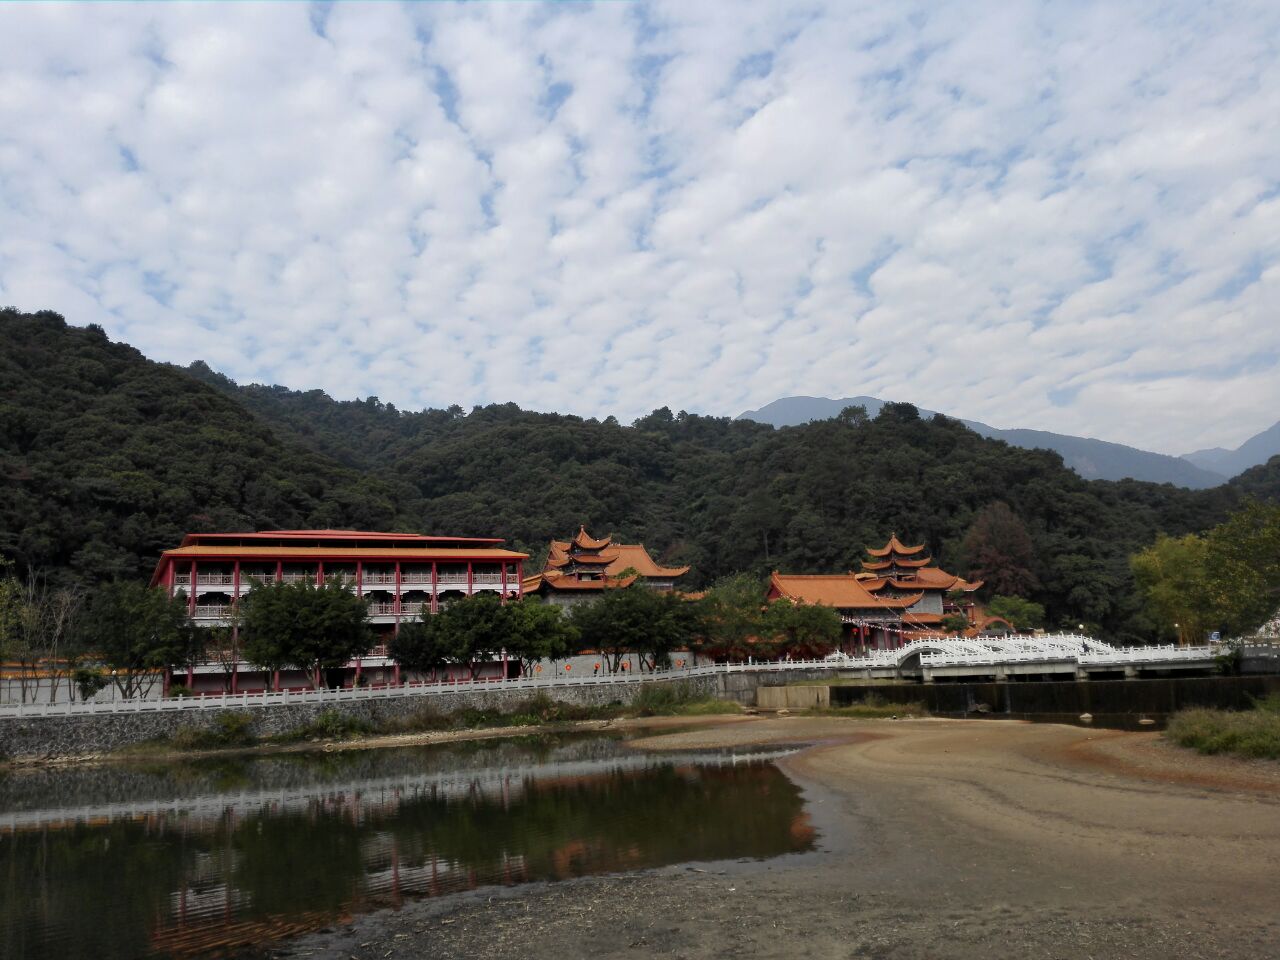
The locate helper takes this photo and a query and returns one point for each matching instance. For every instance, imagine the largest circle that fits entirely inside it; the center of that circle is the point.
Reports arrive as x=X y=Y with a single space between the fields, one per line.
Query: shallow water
x=202 y=858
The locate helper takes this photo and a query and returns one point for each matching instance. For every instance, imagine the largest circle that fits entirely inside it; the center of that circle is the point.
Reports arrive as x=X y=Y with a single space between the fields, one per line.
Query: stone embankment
x=86 y=734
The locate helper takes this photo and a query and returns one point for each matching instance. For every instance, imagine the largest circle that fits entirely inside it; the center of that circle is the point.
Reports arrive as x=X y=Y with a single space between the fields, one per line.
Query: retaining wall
x=1118 y=698
x=80 y=735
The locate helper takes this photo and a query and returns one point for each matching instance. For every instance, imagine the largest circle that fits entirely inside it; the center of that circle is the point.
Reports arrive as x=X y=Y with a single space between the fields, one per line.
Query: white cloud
x=1034 y=214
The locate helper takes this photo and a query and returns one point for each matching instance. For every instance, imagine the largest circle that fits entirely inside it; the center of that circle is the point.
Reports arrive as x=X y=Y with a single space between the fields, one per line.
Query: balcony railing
x=389 y=609
x=212 y=611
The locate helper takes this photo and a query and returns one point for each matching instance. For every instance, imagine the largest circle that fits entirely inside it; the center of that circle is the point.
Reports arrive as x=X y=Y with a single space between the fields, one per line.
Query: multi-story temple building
x=582 y=568
x=898 y=593
x=401 y=575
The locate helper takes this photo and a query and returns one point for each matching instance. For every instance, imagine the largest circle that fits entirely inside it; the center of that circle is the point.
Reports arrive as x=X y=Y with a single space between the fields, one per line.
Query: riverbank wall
x=1118 y=702
x=85 y=734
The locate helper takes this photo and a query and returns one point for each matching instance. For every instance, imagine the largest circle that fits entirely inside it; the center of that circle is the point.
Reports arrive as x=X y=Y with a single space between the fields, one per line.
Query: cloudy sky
x=1053 y=215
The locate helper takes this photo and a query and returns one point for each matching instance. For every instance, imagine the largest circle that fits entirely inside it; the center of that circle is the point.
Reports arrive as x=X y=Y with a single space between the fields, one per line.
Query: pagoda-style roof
x=844 y=591
x=584 y=541
x=895 y=547
x=901 y=562
x=555 y=580
x=620 y=564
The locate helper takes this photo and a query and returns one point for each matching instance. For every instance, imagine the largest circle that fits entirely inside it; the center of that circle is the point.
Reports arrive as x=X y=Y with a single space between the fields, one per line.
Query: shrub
x=331 y=725
x=1247 y=733
x=231 y=729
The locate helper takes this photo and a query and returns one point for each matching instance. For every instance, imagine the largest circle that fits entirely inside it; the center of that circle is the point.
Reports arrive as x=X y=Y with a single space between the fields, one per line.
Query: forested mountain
x=1092 y=459
x=107 y=458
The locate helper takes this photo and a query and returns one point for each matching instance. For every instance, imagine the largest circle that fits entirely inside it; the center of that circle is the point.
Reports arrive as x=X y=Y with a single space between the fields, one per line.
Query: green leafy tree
x=1021 y=613
x=538 y=631
x=138 y=632
x=732 y=618
x=475 y=629
x=955 y=623
x=801 y=630
x=303 y=625
x=1171 y=574
x=635 y=619
x=1243 y=568
x=423 y=644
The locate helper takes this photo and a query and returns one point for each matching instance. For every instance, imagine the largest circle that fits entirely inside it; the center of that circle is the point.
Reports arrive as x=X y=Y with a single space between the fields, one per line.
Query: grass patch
x=1245 y=733
x=329 y=725
x=233 y=729
x=677 y=700
x=873 y=710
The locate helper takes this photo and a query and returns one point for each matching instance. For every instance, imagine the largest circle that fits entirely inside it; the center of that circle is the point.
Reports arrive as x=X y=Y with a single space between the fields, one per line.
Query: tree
x=636 y=619
x=732 y=618
x=303 y=625
x=1021 y=613
x=538 y=631
x=997 y=549
x=802 y=630
x=422 y=644
x=138 y=632
x=475 y=629
x=1243 y=568
x=1171 y=575
x=955 y=623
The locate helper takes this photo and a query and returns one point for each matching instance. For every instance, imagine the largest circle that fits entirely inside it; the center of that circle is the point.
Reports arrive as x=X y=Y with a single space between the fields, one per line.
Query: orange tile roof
x=621 y=556
x=841 y=590
x=587 y=542
x=573 y=583
x=894 y=546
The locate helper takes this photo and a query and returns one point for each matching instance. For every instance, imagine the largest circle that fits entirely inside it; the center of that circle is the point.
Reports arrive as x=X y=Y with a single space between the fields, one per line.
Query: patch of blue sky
x=128 y=159
x=753 y=66
x=861 y=278
x=1246 y=276
x=1063 y=396
x=158 y=287
x=446 y=92
x=553 y=97
x=318 y=16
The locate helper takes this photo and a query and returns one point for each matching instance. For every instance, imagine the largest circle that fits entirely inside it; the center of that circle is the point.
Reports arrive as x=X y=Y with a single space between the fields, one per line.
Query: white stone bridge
x=1001 y=657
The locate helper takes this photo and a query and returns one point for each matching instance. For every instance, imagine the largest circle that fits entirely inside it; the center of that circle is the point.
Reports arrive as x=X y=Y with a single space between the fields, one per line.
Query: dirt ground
x=960 y=839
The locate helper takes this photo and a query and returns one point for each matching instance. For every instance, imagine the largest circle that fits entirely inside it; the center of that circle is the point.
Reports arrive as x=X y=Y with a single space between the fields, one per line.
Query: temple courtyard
x=967 y=839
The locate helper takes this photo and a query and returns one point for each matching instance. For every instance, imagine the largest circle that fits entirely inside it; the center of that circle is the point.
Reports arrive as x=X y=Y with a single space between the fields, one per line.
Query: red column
x=191 y=600
x=504 y=581
x=397 y=626
x=320 y=574
x=275 y=680
x=171 y=577
x=471 y=580
x=519 y=578
x=279 y=571
x=191 y=677
x=359 y=578
x=435 y=587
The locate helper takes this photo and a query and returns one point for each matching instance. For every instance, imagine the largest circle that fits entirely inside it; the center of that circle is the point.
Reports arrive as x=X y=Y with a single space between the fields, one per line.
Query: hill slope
x=112 y=457
x=1092 y=459
x=108 y=458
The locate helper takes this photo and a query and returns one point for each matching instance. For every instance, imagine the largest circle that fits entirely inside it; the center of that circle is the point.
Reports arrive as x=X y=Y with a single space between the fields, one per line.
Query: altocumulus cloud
x=1043 y=214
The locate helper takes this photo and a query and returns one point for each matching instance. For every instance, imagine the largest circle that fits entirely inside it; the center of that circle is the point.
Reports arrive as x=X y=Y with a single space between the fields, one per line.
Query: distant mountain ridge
x=1091 y=459
x=1254 y=451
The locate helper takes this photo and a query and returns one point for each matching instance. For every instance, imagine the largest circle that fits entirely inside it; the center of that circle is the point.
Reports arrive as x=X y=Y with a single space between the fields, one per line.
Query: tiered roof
x=605 y=561
x=842 y=591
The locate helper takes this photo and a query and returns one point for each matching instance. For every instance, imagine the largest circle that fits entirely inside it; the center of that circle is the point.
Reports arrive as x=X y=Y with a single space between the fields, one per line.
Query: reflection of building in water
x=240 y=869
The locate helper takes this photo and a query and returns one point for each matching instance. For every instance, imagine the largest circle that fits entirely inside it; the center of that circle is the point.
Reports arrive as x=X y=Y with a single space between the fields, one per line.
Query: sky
x=1054 y=215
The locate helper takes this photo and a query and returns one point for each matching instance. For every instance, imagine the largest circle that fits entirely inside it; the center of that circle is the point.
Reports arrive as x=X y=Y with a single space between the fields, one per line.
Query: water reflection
x=191 y=860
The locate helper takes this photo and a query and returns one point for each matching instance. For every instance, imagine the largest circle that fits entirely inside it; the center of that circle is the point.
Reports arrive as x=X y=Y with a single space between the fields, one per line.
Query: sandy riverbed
x=942 y=839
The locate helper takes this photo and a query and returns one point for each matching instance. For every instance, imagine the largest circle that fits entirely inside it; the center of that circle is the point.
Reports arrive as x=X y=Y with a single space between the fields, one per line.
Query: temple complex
x=897 y=596
x=582 y=568
x=401 y=575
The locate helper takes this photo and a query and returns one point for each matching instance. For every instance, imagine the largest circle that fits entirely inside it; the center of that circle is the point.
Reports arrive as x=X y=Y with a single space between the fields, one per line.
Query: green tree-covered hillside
x=110 y=457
